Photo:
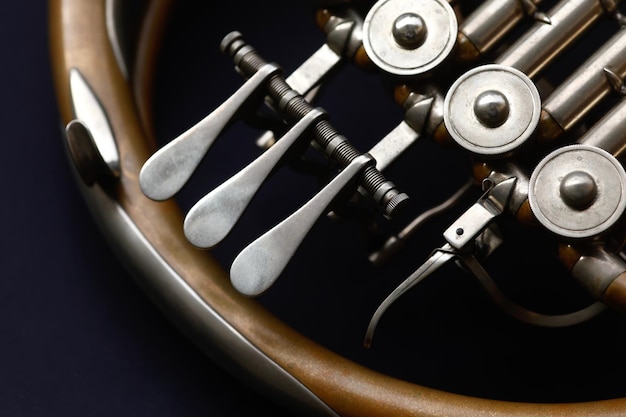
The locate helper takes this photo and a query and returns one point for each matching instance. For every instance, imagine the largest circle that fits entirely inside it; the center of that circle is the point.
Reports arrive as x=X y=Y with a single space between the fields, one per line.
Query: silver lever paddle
x=169 y=169
x=258 y=265
x=212 y=218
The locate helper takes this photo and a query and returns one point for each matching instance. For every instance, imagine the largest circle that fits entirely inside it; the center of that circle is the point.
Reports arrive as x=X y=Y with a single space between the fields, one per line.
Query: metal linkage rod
x=294 y=107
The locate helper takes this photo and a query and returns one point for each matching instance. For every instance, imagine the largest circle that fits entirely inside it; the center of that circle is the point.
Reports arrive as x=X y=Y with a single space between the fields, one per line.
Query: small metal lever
x=212 y=218
x=258 y=265
x=306 y=79
x=474 y=230
x=395 y=243
x=437 y=259
x=461 y=236
x=167 y=170
x=343 y=37
x=405 y=134
x=474 y=221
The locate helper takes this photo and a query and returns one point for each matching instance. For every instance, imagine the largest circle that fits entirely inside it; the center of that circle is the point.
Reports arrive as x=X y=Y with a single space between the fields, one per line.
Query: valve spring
x=249 y=62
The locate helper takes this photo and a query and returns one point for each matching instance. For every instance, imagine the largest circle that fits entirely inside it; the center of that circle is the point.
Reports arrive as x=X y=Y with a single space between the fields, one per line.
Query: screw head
x=492 y=108
x=409 y=30
x=578 y=189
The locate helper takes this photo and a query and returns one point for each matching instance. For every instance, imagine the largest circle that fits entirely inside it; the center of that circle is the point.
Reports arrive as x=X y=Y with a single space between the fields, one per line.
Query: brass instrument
x=286 y=226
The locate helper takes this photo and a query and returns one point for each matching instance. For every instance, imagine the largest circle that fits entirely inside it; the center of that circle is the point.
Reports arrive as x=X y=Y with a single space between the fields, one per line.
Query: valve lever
x=461 y=237
x=396 y=242
x=464 y=231
x=167 y=170
x=473 y=234
x=306 y=79
x=258 y=265
x=422 y=114
x=404 y=135
x=343 y=38
x=435 y=261
x=212 y=218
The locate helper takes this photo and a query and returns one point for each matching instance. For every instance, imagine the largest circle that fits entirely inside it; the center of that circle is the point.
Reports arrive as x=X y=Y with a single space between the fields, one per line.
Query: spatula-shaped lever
x=461 y=237
x=169 y=169
x=438 y=258
x=258 y=266
x=212 y=218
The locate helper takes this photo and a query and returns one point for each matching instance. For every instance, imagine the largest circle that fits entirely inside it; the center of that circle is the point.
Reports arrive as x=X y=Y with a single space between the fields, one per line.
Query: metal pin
x=395 y=243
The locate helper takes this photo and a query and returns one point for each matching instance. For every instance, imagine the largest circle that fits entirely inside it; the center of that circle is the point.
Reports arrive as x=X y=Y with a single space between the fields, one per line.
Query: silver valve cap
x=578 y=191
x=492 y=110
x=409 y=37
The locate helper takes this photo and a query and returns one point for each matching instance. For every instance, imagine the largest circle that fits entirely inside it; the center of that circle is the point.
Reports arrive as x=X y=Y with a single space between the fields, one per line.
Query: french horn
x=366 y=208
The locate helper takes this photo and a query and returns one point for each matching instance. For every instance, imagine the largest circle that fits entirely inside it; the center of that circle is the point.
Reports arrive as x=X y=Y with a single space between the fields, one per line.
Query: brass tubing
x=588 y=85
x=487 y=25
x=615 y=295
x=609 y=133
x=601 y=272
x=569 y=19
